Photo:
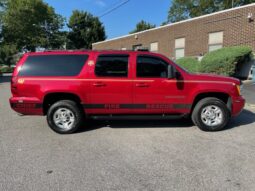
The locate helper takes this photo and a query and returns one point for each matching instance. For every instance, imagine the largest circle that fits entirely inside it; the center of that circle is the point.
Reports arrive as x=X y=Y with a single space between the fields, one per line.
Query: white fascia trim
x=172 y=24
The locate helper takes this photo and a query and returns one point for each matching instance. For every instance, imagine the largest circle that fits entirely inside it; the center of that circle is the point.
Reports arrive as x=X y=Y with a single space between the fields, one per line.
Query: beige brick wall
x=234 y=23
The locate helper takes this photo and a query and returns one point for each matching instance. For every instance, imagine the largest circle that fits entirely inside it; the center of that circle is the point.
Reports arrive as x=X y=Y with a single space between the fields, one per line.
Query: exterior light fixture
x=250 y=17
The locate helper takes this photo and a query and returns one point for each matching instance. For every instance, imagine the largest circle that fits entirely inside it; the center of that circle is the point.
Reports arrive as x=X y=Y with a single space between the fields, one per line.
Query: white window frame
x=215 y=41
x=180 y=46
x=154 y=46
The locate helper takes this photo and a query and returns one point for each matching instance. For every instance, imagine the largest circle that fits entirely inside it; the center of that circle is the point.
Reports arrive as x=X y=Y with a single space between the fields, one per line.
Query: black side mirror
x=171 y=72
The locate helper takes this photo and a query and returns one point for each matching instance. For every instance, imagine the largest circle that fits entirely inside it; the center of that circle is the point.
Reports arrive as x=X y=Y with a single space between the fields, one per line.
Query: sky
x=121 y=21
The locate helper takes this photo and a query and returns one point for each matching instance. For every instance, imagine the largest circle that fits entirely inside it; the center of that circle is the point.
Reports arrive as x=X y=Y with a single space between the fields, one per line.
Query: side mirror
x=171 y=72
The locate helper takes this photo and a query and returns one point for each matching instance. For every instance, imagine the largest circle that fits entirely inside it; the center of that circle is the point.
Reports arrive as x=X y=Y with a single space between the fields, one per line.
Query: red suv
x=69 y=86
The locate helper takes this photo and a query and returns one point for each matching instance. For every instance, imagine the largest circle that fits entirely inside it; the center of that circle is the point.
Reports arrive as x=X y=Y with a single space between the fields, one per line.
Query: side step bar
x=137 y=117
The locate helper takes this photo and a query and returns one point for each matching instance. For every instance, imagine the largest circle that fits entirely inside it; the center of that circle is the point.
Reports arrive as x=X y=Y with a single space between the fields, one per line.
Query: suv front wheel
x=211 y=114
x=65 y=117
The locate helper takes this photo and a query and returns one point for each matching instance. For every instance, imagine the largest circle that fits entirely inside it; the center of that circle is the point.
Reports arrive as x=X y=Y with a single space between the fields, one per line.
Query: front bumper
x=26 y=106
x=238 y=104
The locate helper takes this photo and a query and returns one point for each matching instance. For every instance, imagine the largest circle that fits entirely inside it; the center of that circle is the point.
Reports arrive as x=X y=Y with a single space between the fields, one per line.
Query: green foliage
x=32 y=23
x=85 y=29
x=7 y=54
x=142 y=26
x=3 y=4
x=2 y=11
x=164 y=23
x=183 y=9
x=6 y=69
x=225 y=60
x=189 y=63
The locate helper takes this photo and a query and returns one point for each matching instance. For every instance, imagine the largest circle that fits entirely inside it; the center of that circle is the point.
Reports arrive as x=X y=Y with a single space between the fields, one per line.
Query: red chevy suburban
x=69 y=86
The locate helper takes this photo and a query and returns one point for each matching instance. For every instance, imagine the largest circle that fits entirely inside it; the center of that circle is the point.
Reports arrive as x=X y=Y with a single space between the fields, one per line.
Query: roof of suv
x=81 y=51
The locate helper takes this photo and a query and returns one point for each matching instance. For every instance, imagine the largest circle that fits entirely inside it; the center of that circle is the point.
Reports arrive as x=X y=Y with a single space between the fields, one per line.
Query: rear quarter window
x=53 y=65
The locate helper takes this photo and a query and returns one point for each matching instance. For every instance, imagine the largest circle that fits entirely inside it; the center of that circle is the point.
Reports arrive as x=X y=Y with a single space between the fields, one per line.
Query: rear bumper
x=26 y=106
x=238 y=104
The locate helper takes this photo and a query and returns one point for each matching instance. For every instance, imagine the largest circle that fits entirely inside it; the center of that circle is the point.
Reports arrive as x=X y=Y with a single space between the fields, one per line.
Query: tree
x=184 y=9
x=31 y=23
x=2 y=7
x=2 y=10
x=7 y=54
x=85 y=29
x=142 y=26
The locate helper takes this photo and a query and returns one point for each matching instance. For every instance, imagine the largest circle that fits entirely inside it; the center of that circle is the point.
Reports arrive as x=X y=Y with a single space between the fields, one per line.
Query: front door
x=154 y=93
x=110 y=85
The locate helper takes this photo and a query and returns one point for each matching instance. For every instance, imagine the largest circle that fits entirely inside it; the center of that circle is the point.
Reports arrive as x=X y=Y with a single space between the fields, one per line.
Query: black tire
x=78 y=115
x=210 y=101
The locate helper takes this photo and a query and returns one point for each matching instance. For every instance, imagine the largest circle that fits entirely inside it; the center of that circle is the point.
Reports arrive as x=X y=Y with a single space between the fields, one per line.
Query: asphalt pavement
x=124 y=155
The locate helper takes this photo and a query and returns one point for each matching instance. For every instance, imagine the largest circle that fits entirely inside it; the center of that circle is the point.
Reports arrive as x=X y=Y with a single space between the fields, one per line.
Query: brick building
x=193 y=37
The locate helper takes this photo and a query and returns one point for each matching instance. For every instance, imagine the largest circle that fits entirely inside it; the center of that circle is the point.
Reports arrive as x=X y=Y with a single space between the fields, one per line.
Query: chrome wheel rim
x=64 y=119
x=212 y=115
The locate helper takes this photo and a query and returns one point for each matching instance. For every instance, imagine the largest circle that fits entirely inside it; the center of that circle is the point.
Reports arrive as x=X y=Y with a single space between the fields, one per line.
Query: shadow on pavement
x=175 y=123
x=245 y=118
x=4 y=79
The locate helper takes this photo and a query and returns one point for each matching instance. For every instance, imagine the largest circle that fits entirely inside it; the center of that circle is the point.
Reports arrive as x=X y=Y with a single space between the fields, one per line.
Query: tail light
x=14 y=82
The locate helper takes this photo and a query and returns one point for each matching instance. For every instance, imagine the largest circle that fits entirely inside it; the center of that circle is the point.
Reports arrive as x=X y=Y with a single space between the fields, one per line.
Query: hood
x=214 y=77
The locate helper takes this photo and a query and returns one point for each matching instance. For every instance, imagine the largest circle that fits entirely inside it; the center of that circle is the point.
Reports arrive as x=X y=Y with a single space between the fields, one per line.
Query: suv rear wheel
x=211 y=114
x=65 y=117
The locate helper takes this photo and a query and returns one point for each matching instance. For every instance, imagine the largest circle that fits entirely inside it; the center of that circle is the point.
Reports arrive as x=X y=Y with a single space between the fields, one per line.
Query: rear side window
x=112 y=66
x=151 y=67
x=53 y=65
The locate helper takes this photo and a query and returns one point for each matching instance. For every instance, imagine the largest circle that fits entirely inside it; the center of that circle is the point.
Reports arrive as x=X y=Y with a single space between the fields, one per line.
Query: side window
x=151 y=67
x=53 y=65
x=112 y=66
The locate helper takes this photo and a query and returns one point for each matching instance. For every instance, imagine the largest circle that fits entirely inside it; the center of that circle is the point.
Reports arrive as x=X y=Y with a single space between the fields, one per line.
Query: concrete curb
x=250 y=105
x=6 y=75
x=247 y=82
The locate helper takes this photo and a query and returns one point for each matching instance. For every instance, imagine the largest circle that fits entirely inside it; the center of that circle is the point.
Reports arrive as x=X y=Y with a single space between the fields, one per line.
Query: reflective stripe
x=137 y=106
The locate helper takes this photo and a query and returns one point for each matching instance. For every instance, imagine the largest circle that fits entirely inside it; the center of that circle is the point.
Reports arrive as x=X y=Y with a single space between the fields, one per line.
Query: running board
x=137 y=117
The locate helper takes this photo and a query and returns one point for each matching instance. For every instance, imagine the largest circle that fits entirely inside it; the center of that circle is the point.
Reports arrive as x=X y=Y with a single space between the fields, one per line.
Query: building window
x=215 y=41
x=137 y=47
x=179 y=48
x=154 y=47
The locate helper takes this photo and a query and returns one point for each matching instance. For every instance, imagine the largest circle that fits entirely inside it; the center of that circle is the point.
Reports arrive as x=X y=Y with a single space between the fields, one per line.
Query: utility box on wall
x=245 y=70
x=252 y=69
x=253 y=72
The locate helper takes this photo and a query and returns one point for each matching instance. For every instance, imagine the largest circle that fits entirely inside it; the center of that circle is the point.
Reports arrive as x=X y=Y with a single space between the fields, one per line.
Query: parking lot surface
x=124 y=155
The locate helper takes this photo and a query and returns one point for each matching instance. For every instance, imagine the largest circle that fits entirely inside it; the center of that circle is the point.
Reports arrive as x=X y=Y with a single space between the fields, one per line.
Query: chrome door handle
x=142 y=85
x=99 y=84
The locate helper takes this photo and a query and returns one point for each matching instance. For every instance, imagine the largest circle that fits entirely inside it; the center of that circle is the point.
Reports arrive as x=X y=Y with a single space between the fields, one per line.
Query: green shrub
x=189 y=63
x=6 y=69
x=225 y=60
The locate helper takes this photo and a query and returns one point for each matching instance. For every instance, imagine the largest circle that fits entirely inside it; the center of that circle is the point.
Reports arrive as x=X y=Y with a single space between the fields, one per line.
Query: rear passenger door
x=110 y=85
